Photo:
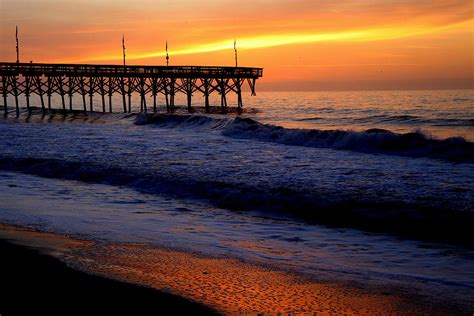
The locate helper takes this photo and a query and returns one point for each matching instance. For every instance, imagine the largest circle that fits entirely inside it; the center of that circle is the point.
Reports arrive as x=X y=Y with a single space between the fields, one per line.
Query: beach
x=35 y=282
x=81 y=279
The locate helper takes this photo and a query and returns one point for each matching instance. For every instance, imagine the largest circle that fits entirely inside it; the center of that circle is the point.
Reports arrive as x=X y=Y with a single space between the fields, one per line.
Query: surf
x=374 y=140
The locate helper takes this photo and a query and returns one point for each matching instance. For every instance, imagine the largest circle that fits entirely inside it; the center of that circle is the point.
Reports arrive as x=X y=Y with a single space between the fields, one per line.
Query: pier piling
x=4 y=92
x=68 y=79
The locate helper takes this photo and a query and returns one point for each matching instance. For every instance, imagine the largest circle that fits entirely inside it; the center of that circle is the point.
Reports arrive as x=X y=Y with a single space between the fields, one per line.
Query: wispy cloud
x=349 y=65
x=272 y=40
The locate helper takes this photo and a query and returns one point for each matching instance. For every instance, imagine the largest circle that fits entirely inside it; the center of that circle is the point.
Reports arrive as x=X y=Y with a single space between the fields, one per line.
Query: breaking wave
x=439 y=221
x=376 y=141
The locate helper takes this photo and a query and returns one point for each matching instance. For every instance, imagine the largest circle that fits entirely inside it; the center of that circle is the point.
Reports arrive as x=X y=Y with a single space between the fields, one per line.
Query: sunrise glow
x=349 y=42
x=266 y=41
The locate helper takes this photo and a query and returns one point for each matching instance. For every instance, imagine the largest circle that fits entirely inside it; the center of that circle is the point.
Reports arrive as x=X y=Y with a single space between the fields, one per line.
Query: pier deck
x=88 y=80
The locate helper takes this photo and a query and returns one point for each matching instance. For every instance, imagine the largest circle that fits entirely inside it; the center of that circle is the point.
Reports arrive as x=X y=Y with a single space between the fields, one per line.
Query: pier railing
x=105 y=80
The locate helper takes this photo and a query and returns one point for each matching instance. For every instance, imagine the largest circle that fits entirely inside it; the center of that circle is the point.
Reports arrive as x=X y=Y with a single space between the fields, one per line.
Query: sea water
x=259 y=186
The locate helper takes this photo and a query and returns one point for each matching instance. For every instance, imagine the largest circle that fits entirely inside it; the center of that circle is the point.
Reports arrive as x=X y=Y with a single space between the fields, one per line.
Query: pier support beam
x=49 y=92
x=83 y=93
x=39 y=90
x=189 y=95
x=60 y=83
x=172 y=89
x=238 y=85
x=122 y=90
x=142 y=95
x=223 y=96
x=189 y=85
x=70 y=91
x=130 y=86
x=124 y=102
x=15 y=92
x=27 y=92
x=91 y=94
x=102 y=93
x=4 y=87
x=154 y=91
x=70 y=101
x=206 y=94
x=110 y=92
x=144 y=102
x=166 y=88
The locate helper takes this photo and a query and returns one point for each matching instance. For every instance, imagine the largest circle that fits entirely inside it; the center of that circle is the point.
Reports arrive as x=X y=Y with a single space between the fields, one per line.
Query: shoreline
x=36 y=282
x=403 y=220
x=228 y=286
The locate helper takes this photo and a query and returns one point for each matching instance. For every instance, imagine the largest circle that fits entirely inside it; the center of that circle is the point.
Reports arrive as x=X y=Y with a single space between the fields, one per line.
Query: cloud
x=272 y=40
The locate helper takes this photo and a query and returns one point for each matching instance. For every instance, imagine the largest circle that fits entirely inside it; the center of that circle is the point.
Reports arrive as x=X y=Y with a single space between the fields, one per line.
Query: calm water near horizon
x=230 y=187
x=439 y=113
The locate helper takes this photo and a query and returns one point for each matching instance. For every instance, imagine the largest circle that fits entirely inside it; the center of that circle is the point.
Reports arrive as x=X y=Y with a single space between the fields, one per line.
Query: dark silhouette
x=17 y=46
x=36 y=284
x=105 y=80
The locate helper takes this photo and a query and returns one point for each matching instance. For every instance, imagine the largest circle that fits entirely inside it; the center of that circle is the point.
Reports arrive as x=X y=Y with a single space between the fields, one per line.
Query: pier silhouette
x=87 y=80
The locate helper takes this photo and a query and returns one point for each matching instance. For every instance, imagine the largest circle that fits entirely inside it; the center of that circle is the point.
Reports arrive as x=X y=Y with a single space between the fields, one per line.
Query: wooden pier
x=68 y=80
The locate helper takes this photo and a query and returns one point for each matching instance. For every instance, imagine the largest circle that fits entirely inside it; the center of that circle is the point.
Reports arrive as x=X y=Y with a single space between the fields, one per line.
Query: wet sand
x=227 y=285
x=35 y=282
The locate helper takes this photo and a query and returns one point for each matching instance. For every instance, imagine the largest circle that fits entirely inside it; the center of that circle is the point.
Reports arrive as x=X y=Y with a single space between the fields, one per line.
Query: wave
x=462 y=100
x=393 y=118
x=375 y=141
x=406 y=120
x=415 y=120
x=432 y=220
x=452 y=122
x=310 y=119
x=182 y=121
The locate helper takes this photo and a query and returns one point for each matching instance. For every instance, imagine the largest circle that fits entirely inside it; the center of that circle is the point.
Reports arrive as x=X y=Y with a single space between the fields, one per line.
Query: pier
x=88 y=81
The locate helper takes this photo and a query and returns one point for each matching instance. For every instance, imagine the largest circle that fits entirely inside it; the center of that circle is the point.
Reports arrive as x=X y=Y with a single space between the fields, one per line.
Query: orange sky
x=302 y=44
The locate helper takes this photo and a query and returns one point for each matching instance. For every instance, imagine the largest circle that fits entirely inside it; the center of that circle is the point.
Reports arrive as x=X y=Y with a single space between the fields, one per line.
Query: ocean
x=366 y=187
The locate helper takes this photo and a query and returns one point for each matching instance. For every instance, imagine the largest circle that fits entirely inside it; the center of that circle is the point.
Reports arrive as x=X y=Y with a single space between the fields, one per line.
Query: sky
x=301 y=44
